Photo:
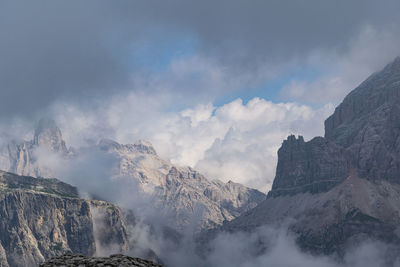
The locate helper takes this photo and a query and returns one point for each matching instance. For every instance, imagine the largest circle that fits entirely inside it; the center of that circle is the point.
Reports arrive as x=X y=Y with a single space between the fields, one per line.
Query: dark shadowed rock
x=315 y=166
x=343 y=189
x=113 y=260
x=367 y=124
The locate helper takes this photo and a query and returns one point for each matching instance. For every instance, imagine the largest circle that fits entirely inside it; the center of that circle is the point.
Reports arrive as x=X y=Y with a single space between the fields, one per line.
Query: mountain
x=344 y=188
x=22 y=157
x=180 y=192
x=43 y=218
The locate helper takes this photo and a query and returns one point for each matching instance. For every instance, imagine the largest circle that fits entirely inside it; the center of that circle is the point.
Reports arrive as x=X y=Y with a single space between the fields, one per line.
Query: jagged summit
x=314 y=166
x=179 y=190
x=175 y=189
x=343 y=188
x=380 y=90
x=140 y=146
x=145 y=147
x=362 y=135
x=21 y=157
x=108 y=144
x=48 y=134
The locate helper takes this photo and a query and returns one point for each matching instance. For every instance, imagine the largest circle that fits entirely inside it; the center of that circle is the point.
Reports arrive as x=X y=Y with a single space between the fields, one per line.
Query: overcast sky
x=213 y=84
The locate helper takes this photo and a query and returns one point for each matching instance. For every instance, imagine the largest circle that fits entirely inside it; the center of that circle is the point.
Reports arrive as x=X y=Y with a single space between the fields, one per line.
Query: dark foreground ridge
x=113 y=260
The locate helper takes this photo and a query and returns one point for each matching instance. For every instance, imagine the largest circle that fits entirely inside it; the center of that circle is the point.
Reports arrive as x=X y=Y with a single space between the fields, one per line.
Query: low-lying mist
x=153 y=235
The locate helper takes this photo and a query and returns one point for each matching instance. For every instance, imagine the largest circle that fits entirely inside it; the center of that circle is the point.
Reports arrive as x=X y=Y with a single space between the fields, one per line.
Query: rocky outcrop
x=43 y=218
x=180 y=191
x=187 y=192
x=113 y=260
x=362 y=134
x=22 y=157
x=356 y=210
x=47 y=134
x=343 y=188
x=315 y=166
x=367 y=124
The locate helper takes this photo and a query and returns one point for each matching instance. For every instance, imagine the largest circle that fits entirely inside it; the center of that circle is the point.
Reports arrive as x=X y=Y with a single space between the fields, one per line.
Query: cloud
x=369 y=51
x=81 y=51
x=237 y=141
x=243 y=249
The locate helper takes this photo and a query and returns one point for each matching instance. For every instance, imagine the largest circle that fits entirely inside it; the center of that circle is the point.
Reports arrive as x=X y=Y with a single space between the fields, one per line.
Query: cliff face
x=345 y=187
x=42 y=218
x=314 y=166
x=367 y=124
x=22 y=157
x=363 y=134
x=182 y=191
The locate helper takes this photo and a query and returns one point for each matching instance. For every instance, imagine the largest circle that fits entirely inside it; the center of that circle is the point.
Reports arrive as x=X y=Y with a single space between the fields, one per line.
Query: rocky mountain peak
x=146 y=147
x=353 y=175
x=380 y=91
x=49 y=135
x=108 y=145
x=313 y=166
x=362 y=135
x=141 y=146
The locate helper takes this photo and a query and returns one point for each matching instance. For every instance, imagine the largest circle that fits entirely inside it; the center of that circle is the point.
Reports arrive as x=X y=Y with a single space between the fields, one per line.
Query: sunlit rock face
x=23 y=157
x=43 y=218
x=343 y=188
x=182 y=192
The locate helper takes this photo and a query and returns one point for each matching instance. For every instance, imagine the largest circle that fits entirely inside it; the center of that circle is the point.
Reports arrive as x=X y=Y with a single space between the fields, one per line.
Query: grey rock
x=20 y=157
x=113 y=260
x=48 y=134
x=314 y=166
x=344 y=188
x=180 y=191
x=42 y=218
x=367 y=124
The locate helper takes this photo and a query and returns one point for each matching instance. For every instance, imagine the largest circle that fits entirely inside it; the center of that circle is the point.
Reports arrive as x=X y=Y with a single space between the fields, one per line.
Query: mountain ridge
x=41 y=218
x=342 y=189
x=179 y=191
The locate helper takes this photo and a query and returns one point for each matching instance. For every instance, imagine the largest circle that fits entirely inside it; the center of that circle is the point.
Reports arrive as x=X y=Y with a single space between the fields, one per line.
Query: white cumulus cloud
x=237 y=141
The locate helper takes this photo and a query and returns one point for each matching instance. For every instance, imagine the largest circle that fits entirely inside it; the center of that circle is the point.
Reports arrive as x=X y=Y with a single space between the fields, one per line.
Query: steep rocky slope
x=179 y=191
x=42 y=218
x=23 y=158
x=344 y=188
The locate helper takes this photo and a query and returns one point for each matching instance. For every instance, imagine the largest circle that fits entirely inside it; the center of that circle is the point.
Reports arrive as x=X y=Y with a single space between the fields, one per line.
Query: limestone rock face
x=353 y=211
x=314 y=166
x=181 y=191
x=43 y=218
x=367 y=124
x=362 y=134
x=22 y=157
x=113 y=260
x=49 y=135
x=343 y=188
